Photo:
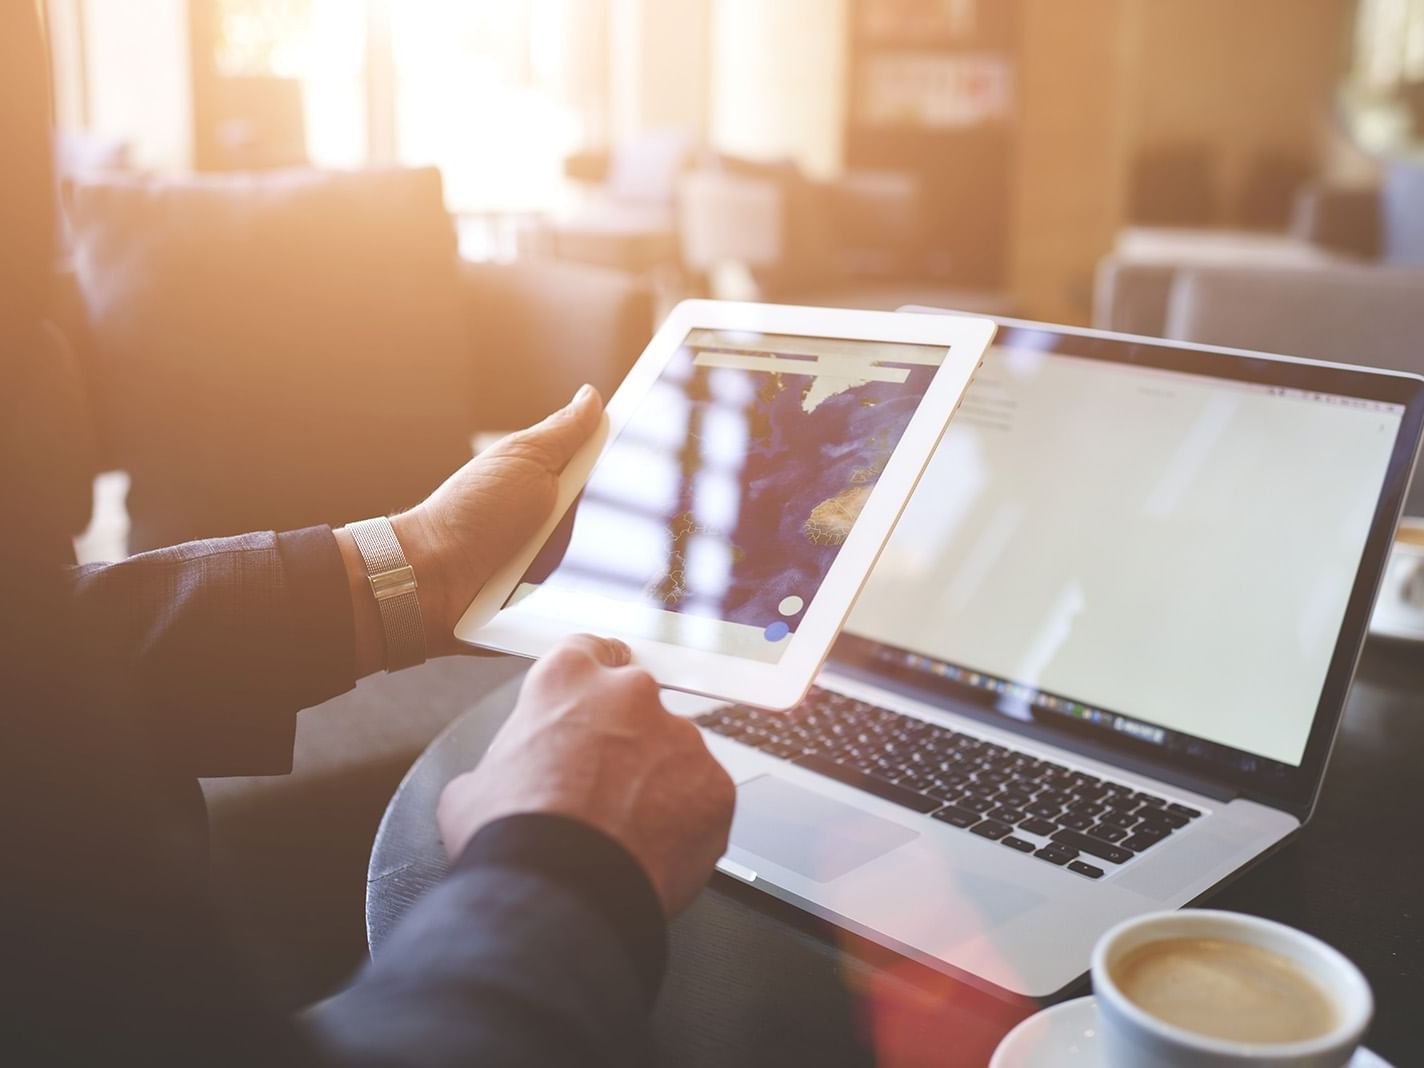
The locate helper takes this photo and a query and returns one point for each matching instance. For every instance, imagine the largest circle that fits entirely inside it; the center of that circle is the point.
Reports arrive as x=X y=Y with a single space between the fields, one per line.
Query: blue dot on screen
x=776 y=631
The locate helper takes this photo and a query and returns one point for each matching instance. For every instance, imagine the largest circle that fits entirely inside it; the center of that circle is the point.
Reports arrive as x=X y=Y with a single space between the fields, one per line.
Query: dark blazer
x=545 y=945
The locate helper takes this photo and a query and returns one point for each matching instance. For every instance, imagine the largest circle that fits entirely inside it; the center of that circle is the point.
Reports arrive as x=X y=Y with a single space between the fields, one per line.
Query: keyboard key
x=946 y=791
x=1093 y=846
x=1138 y=842
x=959 y=817
x=990 y=829
x=1054 y=856
x=1086 y=869
x=1107 y=832
x=886 y=791
x=1170 y=820
x=958 y=779
x=916 y=781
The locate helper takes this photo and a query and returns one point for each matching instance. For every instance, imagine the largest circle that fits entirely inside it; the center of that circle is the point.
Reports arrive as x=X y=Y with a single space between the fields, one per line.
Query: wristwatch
x=393 y=584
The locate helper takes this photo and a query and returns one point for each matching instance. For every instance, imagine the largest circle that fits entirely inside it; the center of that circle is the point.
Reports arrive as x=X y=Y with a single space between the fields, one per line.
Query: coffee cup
x=1205 y=989
x=1399 y=612
x=1409 y=555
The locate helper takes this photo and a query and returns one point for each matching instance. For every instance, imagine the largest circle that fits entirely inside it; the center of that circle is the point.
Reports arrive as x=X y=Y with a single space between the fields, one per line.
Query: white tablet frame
x=784 y=683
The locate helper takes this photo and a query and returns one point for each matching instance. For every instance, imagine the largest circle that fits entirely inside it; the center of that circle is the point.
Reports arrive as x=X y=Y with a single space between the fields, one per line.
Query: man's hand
x=463 y=532
x=590 y=739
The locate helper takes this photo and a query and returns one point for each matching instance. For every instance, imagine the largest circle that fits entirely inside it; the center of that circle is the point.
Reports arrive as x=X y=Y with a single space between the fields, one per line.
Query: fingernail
x=582 y=394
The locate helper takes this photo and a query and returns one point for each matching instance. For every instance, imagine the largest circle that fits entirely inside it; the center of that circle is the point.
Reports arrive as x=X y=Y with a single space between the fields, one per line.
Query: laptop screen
x=1163 y=555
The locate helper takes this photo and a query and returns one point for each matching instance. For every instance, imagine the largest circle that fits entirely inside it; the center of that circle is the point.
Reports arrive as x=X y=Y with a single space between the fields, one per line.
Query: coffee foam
x=1227 y=990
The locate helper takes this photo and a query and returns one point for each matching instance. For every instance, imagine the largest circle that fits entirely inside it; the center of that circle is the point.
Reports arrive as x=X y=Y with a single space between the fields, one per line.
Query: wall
x=660 y=65
x=1076 y=69
x=1241 y=77
x=778 y=80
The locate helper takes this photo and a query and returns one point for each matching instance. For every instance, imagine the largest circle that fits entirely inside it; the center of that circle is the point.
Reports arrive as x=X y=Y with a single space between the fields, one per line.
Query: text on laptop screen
x=1174 y=548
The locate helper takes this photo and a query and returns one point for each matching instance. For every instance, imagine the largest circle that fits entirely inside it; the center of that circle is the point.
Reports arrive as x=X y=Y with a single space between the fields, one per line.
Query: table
x=752 y=981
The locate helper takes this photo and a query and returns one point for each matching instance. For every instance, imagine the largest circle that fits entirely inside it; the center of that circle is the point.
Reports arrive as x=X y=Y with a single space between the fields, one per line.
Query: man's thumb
x=560 y=435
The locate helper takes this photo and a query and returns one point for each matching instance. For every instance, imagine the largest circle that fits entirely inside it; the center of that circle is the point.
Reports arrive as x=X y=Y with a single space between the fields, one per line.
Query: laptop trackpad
x=812 y=835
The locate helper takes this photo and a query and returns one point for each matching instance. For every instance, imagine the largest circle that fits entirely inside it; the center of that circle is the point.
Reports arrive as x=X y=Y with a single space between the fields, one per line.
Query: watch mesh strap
x=393 y=583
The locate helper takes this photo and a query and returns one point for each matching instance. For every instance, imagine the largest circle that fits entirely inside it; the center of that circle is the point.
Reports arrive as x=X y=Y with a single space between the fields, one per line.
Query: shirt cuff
x=589 y=864
x=323 y=628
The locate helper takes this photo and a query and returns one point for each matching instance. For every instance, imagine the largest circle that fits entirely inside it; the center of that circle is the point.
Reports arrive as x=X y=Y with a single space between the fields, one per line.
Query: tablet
x=748 y=472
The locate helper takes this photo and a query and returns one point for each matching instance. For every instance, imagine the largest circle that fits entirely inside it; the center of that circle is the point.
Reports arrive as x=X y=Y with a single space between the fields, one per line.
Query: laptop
x=1098 y=668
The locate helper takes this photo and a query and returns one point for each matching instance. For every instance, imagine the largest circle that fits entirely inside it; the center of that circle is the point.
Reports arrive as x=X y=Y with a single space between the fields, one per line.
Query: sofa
x=277 y=350
x=1342 y=312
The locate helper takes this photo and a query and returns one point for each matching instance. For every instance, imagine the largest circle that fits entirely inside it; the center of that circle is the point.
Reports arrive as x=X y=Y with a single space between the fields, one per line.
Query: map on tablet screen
x=713 y=517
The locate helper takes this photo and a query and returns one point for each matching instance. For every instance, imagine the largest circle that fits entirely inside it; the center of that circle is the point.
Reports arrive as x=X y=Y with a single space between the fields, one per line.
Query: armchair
x=272 y=351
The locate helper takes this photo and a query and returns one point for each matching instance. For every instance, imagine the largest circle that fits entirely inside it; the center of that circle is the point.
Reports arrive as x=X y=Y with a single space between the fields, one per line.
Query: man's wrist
x=420 y=545
x=370 y=639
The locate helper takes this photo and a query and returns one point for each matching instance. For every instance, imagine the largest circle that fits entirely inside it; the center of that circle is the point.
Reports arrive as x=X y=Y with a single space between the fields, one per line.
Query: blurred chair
x=853 y=242
x=1332 y=227
x=1173 y=185
x=626 y=221
x=1402 y=212
x=1343 y=219
x=1267 y=197
x=273 y=351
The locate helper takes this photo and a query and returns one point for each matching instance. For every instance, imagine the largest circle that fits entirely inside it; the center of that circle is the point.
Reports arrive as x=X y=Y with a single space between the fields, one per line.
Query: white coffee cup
x=1132 y=1038
x=1399 y=612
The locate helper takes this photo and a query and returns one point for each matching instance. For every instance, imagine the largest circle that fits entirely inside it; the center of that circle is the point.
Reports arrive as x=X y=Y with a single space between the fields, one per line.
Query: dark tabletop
x=752 y=981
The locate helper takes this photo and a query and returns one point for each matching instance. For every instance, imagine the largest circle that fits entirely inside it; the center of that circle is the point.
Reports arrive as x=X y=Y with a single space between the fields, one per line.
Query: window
x=1386 y=97
x=490 y=91
x=495 y=93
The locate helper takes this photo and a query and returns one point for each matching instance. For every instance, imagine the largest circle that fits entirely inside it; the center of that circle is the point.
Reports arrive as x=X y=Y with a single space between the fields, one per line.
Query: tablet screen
x=712 y=518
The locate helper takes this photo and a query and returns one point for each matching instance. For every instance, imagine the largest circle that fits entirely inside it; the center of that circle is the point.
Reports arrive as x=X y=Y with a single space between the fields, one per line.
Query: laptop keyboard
x=1084 y=823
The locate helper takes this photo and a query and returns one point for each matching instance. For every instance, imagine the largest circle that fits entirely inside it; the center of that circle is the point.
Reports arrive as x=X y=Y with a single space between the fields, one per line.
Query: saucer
x=1066 y=1036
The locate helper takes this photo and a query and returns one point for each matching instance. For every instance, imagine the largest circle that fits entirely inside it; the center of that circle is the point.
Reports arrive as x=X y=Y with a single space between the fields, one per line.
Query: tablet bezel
x=768 y=685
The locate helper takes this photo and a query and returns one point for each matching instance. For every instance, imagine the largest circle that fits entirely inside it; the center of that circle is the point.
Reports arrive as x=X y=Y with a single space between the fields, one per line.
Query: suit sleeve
x=544 y=947
x=212 y=647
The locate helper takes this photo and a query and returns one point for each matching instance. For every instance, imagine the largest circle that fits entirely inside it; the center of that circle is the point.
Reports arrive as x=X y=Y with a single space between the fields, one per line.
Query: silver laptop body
x=1119 y=684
